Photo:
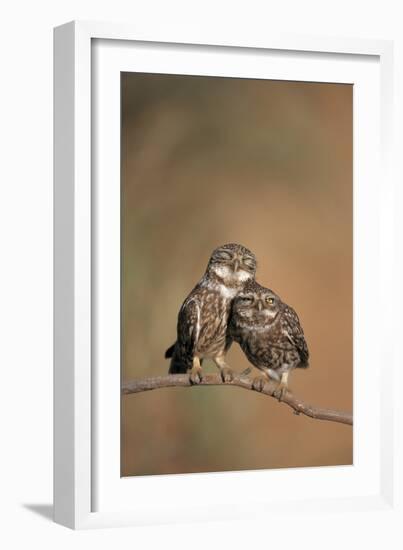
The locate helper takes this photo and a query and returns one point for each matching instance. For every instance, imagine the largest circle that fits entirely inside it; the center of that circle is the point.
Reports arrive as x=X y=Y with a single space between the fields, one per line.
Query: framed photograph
x=223 y=247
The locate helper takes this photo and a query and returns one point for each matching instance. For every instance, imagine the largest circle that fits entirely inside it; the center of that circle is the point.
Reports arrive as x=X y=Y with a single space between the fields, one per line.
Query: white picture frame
x=87 y=491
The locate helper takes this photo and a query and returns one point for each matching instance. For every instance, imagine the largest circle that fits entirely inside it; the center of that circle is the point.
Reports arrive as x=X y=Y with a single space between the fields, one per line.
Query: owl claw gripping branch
x=228 y=304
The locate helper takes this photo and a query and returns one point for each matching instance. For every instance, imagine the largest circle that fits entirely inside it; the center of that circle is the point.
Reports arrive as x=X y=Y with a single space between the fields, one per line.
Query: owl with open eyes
x=202 y=328
x=269 y=333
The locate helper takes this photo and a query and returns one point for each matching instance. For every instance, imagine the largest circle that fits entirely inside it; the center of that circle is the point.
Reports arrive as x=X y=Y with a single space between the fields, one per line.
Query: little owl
x=202 y=329
x=269 y=333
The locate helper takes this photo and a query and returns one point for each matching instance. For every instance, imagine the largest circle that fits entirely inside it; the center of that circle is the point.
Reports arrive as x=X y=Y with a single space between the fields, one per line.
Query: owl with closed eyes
x=202 y=328
x=269 y=333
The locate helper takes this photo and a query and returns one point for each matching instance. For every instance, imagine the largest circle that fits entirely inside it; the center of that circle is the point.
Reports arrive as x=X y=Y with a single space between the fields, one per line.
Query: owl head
x=233 y=264
x=256 y=305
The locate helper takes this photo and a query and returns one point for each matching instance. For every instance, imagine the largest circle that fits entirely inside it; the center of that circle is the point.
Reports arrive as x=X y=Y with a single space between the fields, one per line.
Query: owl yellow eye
x=270 y=300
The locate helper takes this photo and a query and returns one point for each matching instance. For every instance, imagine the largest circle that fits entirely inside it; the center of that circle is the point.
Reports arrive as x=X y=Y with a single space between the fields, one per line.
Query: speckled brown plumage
x=269 y=333
x=202 y=329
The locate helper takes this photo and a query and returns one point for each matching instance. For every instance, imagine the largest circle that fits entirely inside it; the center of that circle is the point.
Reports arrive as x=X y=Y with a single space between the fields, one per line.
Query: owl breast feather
x=214 y=313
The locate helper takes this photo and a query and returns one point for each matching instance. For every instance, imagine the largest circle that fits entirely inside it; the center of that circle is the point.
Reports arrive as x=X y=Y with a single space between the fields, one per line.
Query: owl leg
x=196 y=372
x=267 y=376
x=282 y=388
x=226 y=373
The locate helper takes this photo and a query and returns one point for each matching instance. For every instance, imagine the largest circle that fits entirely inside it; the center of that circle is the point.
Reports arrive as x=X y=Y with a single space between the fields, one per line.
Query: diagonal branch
x=182 y=380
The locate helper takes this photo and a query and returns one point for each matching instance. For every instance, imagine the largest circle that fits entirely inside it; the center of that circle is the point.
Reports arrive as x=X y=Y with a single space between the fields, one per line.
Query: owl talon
x=258 y=383
x=196 y=375
x=280 y=392
x=226 y=374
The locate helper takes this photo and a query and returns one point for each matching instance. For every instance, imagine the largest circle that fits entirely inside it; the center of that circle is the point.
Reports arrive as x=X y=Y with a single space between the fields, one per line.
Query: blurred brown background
x=267 y=164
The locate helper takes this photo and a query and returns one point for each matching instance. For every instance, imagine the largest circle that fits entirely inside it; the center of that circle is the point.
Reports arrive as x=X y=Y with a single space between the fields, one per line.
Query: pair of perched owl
x=229 y=305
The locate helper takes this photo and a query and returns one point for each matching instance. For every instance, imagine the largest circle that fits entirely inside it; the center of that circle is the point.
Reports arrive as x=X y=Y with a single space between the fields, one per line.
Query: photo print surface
x=266 y=169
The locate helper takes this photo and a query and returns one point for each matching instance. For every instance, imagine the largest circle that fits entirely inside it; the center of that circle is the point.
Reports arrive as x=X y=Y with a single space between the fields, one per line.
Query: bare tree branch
x=182 y=380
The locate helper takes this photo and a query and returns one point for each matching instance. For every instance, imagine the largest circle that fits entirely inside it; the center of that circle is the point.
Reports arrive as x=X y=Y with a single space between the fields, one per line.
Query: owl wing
x=293 y=330
x=189 y=327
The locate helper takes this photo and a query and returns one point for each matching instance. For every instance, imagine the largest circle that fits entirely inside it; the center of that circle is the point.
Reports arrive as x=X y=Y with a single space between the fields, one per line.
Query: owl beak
x=236 y=266
x=260 y=305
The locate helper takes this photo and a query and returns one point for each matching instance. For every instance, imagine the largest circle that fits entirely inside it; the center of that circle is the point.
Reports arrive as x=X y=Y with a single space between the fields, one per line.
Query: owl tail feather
x=170 y=351
x=177 y=366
